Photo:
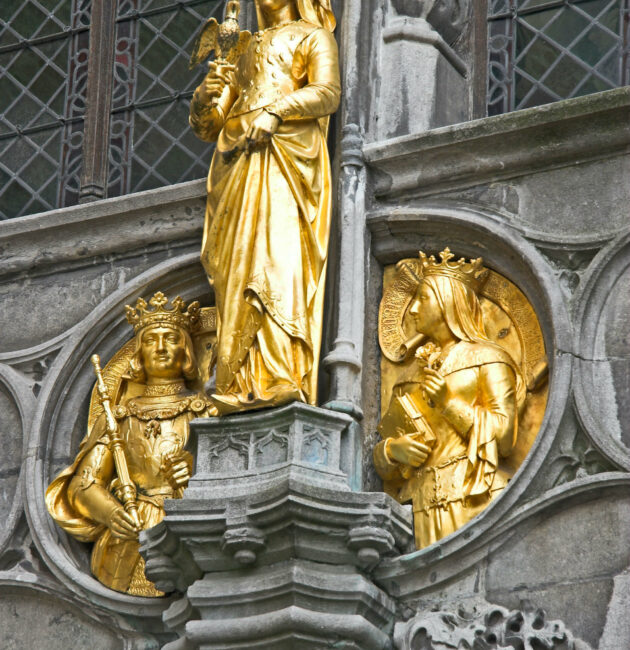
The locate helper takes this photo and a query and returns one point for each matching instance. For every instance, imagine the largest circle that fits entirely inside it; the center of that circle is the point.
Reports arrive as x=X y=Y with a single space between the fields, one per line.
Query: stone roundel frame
x=604 y=272
x=59 y=424
x=24 y=400
x=470 y=232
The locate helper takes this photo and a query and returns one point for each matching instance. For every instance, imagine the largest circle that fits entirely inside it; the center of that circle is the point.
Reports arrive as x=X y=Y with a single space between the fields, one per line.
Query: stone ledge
x=510 y=145
x=113 y=225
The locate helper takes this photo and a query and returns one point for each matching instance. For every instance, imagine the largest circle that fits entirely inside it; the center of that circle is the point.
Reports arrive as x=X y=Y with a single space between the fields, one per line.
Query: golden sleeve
x=387 y=469
x=498 y=392
x=495 y=406
x=207 y=120
x=316 y=64
x=494 y=415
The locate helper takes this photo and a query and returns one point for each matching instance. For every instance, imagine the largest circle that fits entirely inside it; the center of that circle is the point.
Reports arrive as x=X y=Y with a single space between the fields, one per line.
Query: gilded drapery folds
x=269 y=208
x=463 y=388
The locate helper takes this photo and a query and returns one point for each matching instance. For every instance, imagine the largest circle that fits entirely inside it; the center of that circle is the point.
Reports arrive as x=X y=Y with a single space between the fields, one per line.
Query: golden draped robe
x=268 y=215
x=117 y=562
x=461 y=475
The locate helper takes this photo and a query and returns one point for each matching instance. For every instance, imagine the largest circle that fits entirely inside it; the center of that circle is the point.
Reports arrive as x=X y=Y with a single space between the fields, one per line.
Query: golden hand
x=435 y=388
x=177 y=470
x=407 y=450
x=121 y=524
x=218 y=77
x=261 y=130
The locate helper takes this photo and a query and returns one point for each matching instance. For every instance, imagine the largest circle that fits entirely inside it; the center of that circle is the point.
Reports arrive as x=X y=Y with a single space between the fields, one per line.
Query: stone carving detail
x=570 y=265
x=488 y=628
x=580 y=461
x=36 y=369
x=230 y=452
x=272 y=448
x=447 y=17
x=249 y=451
x=316 y=448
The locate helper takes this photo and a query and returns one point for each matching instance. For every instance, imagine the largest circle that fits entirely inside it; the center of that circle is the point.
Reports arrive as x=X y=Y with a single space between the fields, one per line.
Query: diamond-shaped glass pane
x=33 y=18
x=559 y=50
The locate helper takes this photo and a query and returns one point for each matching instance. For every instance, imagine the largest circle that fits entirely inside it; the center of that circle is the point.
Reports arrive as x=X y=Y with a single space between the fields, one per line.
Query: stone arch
x=471 y=232
x=602 y=345
x=17 y=403
x=59 y=425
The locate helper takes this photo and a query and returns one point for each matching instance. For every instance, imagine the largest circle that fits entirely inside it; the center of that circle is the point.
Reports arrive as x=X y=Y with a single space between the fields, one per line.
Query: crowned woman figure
x=269 y=203
x=86 y=498
x=465 y=405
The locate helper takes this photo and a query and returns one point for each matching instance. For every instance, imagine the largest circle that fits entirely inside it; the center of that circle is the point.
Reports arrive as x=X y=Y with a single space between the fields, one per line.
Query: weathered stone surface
x=35 y=621
x=103 y=227
x=616 y=632
x=431 y=93
x=11 y=441
x=291 y=504
x=295 y=604
x=507 y=146
x=233 y=452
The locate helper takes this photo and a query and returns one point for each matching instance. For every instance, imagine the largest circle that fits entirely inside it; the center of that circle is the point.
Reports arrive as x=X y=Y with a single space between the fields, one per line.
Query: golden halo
x=508 y=315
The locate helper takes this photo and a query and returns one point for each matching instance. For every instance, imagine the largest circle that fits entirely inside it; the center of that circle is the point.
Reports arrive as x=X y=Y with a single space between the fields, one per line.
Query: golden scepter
x=127 y=489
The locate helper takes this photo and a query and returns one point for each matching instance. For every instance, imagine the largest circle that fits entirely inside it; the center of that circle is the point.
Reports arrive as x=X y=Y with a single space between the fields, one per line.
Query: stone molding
x=448 y=17
x=322 y=607
x=403 y=28
x=411 y=576
x=505 y=146
x=279 y=554
x=24 y=400
x=22 y=583
x=115 y=225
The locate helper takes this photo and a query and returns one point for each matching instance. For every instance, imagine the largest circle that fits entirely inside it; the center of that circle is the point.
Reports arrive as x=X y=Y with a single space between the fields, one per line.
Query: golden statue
x=133 y=457
x=450 y=432
x=269 y=200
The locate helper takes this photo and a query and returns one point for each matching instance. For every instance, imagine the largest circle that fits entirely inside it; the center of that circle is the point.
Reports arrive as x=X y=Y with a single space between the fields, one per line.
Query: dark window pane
x=559 y=50
x=42 y=101
x=152 y=144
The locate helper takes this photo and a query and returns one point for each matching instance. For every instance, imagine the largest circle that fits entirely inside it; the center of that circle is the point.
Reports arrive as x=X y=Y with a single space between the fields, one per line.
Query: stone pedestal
x=270 y=546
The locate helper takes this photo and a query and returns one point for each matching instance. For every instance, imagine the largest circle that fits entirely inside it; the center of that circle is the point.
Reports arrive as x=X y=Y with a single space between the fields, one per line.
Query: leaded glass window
x=151 y=143
x=542 y=51
x=43 y=77
x=45 y=58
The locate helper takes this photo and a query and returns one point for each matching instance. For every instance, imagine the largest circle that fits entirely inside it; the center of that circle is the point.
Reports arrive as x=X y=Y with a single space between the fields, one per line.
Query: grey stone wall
x=541 y=194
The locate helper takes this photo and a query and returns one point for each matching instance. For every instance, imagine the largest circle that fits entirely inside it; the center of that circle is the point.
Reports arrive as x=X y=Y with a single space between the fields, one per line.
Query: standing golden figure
x=269 y=203
x=454 y=411
x=133 y=457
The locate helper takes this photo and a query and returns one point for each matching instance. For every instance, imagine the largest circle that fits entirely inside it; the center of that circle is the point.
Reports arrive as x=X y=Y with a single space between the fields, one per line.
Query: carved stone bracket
x=270 y=533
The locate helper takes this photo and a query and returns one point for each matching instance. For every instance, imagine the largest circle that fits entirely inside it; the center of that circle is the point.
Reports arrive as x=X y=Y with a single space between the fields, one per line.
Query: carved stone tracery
x=487 y=627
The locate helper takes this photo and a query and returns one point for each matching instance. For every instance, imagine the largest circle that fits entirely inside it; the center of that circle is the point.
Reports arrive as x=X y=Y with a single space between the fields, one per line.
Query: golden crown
x=142 y=316
x=470 y=273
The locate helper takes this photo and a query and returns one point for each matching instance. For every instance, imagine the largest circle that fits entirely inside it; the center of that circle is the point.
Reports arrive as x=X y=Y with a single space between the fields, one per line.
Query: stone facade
x=284 y=539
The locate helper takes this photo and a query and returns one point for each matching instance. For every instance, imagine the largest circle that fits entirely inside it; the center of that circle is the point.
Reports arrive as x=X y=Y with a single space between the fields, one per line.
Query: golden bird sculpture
x=226 y=39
